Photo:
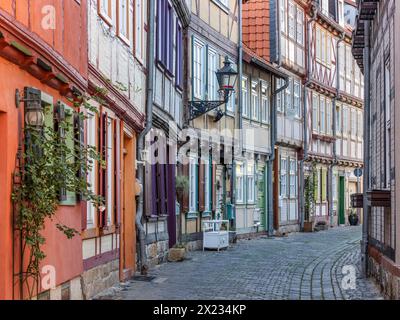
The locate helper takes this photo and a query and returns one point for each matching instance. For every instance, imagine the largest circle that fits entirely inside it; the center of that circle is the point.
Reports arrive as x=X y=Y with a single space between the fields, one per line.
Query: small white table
x=213 y=236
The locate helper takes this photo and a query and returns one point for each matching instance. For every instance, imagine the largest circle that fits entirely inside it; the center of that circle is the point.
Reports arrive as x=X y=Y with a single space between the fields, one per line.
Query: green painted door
x=342 y=219
x=261 y=199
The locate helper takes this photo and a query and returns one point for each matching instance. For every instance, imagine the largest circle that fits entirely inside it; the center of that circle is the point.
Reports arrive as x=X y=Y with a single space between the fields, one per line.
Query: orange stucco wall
x=65 y=255
x=68 y=38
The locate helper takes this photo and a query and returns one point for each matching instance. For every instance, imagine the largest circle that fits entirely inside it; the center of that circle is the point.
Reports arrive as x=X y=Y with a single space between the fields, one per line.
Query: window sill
x=206 y=214
x=192 y=215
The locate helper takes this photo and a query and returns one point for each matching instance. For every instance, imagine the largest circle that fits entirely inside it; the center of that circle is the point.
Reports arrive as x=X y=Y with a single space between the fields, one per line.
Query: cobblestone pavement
x=300 y=266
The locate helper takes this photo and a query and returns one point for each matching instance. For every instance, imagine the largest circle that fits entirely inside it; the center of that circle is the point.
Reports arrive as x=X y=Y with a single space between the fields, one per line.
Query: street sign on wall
x=358 y=172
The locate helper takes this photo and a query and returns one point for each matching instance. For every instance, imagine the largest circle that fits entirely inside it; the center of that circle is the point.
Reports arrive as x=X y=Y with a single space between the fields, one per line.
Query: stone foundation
x=157 y=252
x=100 y=278
x=388 y=282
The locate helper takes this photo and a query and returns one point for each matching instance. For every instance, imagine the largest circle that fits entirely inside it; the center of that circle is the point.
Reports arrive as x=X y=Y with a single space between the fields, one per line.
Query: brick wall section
x=256 y=27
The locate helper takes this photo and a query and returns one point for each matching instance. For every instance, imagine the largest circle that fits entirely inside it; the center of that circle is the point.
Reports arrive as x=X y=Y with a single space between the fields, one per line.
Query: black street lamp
x=227 y=77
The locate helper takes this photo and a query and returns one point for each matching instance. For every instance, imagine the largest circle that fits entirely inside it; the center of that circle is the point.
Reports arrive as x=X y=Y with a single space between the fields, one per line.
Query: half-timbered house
x=375 y=47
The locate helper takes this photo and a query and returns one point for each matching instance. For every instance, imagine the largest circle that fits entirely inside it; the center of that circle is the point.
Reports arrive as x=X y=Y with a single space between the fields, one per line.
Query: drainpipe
x=240 y=105
x=141 y=140
x=335 y=160
x=271 y=158
x=367 y=106
x=305 y=116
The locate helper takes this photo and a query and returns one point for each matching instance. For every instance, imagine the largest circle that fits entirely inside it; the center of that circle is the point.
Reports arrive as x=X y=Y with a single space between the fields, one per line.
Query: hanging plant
x=52 y=167
x=309 y=196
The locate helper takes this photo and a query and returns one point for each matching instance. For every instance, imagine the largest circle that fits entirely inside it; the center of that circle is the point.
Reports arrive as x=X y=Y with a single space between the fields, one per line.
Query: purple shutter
x=179 y=55
x=154 y=194
x=170 y=40
x=161 y=188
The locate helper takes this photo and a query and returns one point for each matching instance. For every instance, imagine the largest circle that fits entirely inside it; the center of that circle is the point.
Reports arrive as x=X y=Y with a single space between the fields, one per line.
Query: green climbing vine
x=309 y=193
x=54 y=162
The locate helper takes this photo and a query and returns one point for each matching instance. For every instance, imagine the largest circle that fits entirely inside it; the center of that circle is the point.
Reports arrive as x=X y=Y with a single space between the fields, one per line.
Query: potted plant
x=177 y=253
x=353 y=218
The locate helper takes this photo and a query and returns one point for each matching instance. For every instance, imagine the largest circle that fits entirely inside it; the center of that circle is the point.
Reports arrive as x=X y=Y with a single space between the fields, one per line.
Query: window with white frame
x=296 y=97
x=255 y=101
x=387 y=125
x=318 y=49
x=360 y=125
x=288 y=96
x=291 y=20
x=264 y=102
x=283 y=15
x=328 y=116
x=349 y=68
x=345 y=121
x=250 y=183
x=300 y=27
x=231 y=103
x=91 y=177
x=315 y=113
x=342 y=64
x=293 y=178
x=198 y=63
x=240 y=182
x=139 y=39
x=353 y=123
x=283 y=177
x=341 y=12
x=245 y=102
x=105 y=10
x=338 y=120
x=280 y=96
x=193 y=185
x=212 y=77
x=123 y=19
x=322 y=126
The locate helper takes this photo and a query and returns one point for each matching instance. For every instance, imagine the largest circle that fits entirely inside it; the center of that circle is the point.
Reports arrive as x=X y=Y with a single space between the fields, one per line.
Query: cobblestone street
x=300 y=266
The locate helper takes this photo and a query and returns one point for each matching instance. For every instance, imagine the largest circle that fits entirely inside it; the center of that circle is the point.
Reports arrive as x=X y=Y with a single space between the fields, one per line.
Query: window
x=255 y=101
x=193 y=185
x=165 y=31
x=338 y=120
x=387 y=125
x=212 y=77
x=291 y=20
x=322 y=115
x=296 y=98
x=139 y=39
x=91 y=178
x=353 y=123
x=283 y=177
x=293 y=178
x=105 y=10
x=345 y=121
x=231 y=103
x=328 y=116
x=315 y=113
x=264 y=103
x=123 y=20
x=179 y=56
x=280 y=96
x=225 y=3
x=342 y=64
x=245 y=102
x=360 y=128
x=250 y=183
x=240 y=182
x=283 y=15
x=300 y=26
x=288 y=96
x=341 y=12
x=318 y=43
x=198 y=75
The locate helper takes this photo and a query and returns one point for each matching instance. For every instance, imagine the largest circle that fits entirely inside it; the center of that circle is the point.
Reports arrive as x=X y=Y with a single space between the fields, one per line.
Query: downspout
x=367 y=106
x=305 y=116
x=140 y=146
x=271 y=158
x=274 y=131
x=240 y=106
x=335 y=160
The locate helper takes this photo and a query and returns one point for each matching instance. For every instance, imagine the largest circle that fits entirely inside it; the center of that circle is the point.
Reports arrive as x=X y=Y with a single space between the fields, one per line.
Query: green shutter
x=315 y=182
x=323 y=193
